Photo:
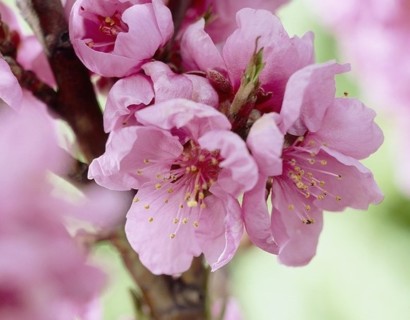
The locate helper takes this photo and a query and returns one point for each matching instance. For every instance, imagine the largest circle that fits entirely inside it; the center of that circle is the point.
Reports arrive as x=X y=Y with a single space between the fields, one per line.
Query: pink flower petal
x=195 y=118
x=348 y=127
x=309 y=92
x=10 y=90
x=257 y=218
x=239 y=170
x=265 y=142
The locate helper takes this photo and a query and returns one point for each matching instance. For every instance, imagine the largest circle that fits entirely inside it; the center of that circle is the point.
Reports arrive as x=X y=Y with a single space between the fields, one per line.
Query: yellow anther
x=339 y=177
x=300 y=139
x=166 y=200
x=321 y=183
x=181 y=206
x=150 y=219
x=292 y=162
x=300 y=185
x=90 y=44
x=312 y=154
x=307 y=195
x=201 y=195
x=320 y=197
x=338 y=198
x=308 y=221
x=176 y=220
x=109 y=21
x=196 y=224
x=311 y=143
x=139 y=172
x=146 y=161
x=159 y=176
x=323 y=162
x=146 y=206
x=187 y=170
x=192 y=203
x=158 y=186
x=194 y=168
x=136 y=200
x=291 y=207
x=172 y=235
x=307 y=207
x=312 y=161
x=203 y=205
x=185 y=220
x=204 y=186
x=201 y=157
x=170 y=190
x=214 y=161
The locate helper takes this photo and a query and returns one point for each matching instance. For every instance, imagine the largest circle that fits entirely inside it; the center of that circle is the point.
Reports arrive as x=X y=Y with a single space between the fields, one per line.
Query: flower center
x=183 y=189
x=310 y=176
x=103 y=30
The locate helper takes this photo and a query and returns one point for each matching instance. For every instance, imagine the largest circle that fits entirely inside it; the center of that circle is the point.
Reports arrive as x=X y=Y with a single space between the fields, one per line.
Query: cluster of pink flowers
x=374 y=36
x=211 y=109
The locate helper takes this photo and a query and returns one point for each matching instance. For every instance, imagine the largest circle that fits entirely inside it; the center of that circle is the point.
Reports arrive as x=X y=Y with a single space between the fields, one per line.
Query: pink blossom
x=318 y=168
x=222 y=14
x=138 y=91
x=114 y=38
x=186 y=203
x=55 y=285
x=282 y=55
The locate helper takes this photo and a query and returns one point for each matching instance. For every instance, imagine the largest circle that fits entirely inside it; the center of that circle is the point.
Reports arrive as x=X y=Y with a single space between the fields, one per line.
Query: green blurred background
x=361 y=268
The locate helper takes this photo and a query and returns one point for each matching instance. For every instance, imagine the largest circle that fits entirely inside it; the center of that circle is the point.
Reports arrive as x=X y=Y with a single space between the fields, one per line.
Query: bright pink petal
x=257 y=218
x=265 y=142
x=239 y=170
x=126 y=162
x=194 y=118
x=198 y=50
x=125 y=97
x=309 y=92
x=349 y=127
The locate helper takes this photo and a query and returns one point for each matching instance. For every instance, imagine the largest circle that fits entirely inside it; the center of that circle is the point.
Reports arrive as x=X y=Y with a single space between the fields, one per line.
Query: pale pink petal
x=348 y=127
x=220 y=230
x=351 y=185
x=167 y=84
x=257 y=218
x=239 y=170
x=297 y=241
x=198 y=50
x=164 y=245
x=125 y=97
x=163 y=18
x=309 y=92
x=123 y=166
x=265 y=142
x=194 y=118
x=10 y=90
x=202 y=91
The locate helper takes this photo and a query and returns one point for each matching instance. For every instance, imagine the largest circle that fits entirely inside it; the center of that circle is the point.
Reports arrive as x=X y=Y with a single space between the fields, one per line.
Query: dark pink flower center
x=308 y=175
x=184 y=187
x=102 y=31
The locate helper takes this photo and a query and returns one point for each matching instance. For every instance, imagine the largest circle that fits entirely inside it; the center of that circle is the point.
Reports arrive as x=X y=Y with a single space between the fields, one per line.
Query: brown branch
x=75 y=96
x=29 y=80
x=168 y=298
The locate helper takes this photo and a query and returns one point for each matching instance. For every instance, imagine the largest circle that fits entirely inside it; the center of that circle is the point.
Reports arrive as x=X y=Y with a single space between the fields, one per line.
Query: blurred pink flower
x=186 y=203
x=114 y=38
x=58 y=283
x=318 y=169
